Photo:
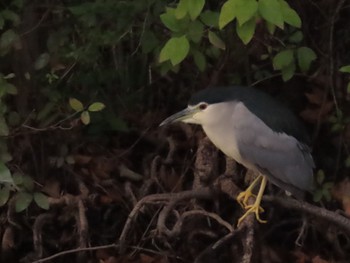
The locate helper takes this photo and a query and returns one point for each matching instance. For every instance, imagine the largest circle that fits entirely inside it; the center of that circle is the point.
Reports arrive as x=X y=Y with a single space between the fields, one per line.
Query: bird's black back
x=273 y=113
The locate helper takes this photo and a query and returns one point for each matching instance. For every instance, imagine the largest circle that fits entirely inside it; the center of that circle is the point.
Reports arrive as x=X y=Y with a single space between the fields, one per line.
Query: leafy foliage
x=83 y=79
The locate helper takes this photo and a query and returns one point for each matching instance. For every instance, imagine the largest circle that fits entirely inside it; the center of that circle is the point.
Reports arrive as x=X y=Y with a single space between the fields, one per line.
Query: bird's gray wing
x=278 y=155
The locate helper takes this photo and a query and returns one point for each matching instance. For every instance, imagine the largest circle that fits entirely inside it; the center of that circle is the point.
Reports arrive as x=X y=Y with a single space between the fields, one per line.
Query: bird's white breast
x=220 y=128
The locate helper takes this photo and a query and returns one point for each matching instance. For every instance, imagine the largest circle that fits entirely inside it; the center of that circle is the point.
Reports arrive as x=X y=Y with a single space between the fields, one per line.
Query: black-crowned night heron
x=259 y=133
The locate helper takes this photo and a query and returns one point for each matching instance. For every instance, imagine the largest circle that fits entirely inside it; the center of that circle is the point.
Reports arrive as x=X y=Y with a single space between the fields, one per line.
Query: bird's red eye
x=203 y=106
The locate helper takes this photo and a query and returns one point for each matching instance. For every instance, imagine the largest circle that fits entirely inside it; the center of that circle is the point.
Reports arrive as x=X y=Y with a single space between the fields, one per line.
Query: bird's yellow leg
x=244 y=196
x=256 y=208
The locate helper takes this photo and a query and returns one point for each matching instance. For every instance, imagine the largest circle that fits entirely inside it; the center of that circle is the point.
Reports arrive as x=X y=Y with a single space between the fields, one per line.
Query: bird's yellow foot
x=255 y=208
x=244 y=196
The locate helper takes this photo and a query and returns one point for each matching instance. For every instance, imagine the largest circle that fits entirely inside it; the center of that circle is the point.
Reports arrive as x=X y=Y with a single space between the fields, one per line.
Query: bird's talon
x=256 y=209
x=243 y=198
x=261 y=210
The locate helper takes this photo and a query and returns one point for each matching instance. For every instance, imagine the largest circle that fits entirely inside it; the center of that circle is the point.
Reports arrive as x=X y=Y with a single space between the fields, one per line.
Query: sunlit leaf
x=181 y=9
x=195 y=8
x=289 y=15
x=41 y=200
x=96 y=106
x=175 y=50
x=23 y=200
x=271 y=11
x=245 y=10
x=76 y=104
x=345 y=69
x=85 y=117
x=246 y=31
x=170 y=21
x=227 y=13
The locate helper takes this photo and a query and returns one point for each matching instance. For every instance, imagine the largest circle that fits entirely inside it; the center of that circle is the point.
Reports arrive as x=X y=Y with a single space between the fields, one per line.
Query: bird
x=257 y=131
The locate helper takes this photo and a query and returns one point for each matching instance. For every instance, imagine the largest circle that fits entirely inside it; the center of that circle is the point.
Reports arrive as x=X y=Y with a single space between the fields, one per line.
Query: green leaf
x=149 y=41
x=7 y=39
x=271 y=11
x=289 y=15
x=216 y=41
x=4 y=195
x=28 y=182
x=10 y=88
x=210 y=18
x=296 y=37
x=328 y=185
x=347 y=162
x=69 y=159
x=270 y=27
x=171 y=22
x=245 y=10
x=288 y=71
x=195 y=8
x=305 y=57
x=317 y=195
x=345 y=69
x=199 y=60
x=12 y=16
x=320 y=176
x=327 y=195
x=181 y=9
x=175 y=50
x=227 y=13
x=5 y=174
x=283 y=59
x=96 y=106
x=9 y=76
x=41 y=200
x=195 y=31
x=42 y=61
x=23 y=200
x=85 y=117
x=17 y=178
x=76 y=104
x=4 y=130
x=246 y=31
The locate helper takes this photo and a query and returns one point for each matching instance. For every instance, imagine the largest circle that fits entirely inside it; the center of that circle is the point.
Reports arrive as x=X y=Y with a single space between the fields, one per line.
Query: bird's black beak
x=180 y=116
